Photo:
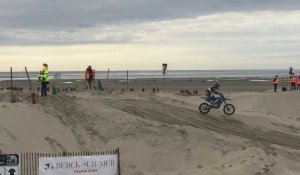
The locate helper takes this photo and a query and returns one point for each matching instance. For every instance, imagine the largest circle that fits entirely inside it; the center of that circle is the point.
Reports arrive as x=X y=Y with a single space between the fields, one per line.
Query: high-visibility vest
x=44 y=74
x=87 y=74
x=293 y=80
x=276 y=81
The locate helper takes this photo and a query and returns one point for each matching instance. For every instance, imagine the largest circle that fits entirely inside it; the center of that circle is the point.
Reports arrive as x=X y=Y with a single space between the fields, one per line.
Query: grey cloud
x=63 y=22
x=64 y=14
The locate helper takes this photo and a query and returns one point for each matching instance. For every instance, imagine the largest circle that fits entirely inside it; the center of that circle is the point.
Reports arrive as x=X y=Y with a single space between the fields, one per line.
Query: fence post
x=119 y=162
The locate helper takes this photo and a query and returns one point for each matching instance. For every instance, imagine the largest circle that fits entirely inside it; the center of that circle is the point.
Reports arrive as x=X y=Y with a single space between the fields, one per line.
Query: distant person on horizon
x=298 y=83
x=44 y=78
x=293 y=80
x=89 y=76
x=275 y=83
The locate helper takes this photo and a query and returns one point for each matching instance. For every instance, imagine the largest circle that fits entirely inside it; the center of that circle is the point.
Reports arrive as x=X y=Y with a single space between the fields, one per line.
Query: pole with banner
x=291 y=70
x=287 y=78
x=164 y=71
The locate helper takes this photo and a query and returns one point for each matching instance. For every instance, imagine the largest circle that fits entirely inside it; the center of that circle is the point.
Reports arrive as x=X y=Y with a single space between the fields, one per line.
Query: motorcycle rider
x=210 y=94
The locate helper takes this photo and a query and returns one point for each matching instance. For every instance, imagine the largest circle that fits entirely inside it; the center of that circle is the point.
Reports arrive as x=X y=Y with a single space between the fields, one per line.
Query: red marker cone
x=33 y=97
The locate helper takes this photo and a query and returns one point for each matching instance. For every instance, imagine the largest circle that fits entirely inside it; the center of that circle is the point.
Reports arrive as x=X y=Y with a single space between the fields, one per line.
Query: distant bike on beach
x=205 y=107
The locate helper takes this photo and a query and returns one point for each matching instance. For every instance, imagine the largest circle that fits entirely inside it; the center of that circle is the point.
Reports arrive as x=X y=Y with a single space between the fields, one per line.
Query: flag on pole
x=164 y=68
x=291 y=71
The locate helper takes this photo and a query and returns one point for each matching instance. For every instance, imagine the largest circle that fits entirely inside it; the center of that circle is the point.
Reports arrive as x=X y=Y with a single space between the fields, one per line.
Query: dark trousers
x=275 y=87
x=44 y=89
x=293 y=86
x=90 y=80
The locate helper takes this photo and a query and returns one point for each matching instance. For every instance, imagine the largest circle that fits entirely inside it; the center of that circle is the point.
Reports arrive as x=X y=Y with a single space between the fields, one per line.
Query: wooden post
x=119 y=162
x=107 y=79
x=127 y=82
x=94 y=78
x=164 y=83
x=11 y=82
x=30 y=86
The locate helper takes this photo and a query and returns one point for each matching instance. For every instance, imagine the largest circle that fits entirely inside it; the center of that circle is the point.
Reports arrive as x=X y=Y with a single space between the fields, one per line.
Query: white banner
x=2 y=170
x=85 y=165
x=13 y=170
x=9 y=164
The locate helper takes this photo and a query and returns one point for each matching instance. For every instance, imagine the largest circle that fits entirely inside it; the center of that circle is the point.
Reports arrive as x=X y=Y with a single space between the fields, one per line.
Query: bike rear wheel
x=204 y=108
x=229 y=109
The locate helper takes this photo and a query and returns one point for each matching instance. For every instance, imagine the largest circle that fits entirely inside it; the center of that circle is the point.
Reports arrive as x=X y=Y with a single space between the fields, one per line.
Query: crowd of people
x=293 y=80
x=91 y=73
x=43 y=77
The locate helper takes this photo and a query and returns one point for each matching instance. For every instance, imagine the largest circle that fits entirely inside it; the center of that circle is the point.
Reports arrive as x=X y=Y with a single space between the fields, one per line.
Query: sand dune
x=161 y=133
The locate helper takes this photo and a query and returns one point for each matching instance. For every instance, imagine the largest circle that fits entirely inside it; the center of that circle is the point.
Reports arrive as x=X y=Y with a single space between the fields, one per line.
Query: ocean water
x=156 y=74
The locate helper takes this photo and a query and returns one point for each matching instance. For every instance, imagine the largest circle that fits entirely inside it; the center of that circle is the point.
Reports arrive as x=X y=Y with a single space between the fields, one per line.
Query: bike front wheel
x=204 y=108
x=229 y=109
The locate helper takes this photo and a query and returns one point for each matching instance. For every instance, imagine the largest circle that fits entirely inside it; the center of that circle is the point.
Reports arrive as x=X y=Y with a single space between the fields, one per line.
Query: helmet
x=217 y=85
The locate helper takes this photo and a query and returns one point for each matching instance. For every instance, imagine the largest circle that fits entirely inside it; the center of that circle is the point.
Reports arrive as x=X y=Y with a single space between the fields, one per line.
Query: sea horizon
x=148 y=74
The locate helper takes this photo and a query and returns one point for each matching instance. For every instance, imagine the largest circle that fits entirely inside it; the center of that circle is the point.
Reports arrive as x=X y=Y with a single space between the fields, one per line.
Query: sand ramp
x=155 y=110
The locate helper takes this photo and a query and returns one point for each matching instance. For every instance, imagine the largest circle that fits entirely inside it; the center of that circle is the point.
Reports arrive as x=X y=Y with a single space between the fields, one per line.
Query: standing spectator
x=275 y=83
x=153 y=90
x=293 y=80
x=298 y=83
x=89 y=77
x=44 y=78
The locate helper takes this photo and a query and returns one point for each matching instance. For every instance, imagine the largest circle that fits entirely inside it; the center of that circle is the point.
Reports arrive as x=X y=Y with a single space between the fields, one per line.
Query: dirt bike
x=228 y=109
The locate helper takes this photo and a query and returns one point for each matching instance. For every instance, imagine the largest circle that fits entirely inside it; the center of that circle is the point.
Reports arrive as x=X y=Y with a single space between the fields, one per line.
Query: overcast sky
x=143 y=34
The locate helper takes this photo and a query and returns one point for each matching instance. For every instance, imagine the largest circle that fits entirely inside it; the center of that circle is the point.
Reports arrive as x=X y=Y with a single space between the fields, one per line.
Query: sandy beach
x=173 y=85
x=162 y=133
x=122 y=87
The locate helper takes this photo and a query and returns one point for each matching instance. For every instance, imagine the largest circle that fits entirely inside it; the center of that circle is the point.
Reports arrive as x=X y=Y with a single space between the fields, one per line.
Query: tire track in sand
x=155 y=110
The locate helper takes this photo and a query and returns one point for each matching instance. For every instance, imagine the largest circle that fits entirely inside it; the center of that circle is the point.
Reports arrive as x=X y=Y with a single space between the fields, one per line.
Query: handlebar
x=221 y=96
